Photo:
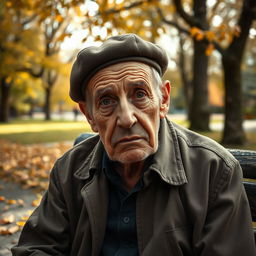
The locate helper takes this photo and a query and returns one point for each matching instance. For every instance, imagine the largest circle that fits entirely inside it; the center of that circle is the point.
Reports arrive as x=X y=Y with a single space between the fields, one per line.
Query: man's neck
x=130 y=173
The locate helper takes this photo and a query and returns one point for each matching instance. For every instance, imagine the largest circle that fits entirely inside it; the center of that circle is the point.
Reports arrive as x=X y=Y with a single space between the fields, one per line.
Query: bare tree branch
x=244 y=23
x=31 y=71
x=29 y=19
x=186 y=31
x=124 y=8
x=172 y=23
x=192 y=21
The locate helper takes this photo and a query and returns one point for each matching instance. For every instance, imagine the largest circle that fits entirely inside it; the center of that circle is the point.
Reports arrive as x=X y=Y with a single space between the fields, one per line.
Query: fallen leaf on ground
x=36 y=202
x=20 y=223
x=7 y=219
x=9 y=230
x=24 y=218
x=29 y=165
x=11 y=201
x=20 y=202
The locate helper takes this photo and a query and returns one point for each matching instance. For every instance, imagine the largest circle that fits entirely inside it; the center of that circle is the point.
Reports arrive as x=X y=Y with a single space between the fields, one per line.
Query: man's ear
x=166 y=93
x=84 y=109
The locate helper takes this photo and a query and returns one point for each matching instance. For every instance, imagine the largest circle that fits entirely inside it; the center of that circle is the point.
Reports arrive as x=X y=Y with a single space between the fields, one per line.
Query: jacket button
x=126 y=220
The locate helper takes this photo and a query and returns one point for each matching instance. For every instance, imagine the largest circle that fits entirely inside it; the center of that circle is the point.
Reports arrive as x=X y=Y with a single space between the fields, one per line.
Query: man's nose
x=126 y=116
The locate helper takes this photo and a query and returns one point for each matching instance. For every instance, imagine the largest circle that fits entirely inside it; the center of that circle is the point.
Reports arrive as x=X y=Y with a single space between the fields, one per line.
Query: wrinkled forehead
x=119 y=71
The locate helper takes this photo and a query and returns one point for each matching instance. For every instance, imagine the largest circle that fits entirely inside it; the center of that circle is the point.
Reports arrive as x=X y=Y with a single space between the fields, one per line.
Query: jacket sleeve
x=228 y=226
x=47 y=230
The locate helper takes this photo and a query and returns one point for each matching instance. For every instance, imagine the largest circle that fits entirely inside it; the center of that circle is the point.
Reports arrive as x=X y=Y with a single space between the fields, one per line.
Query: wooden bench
x=247 y=160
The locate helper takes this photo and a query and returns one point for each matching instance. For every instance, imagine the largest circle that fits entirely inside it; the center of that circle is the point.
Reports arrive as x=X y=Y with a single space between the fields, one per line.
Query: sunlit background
x=211 y=48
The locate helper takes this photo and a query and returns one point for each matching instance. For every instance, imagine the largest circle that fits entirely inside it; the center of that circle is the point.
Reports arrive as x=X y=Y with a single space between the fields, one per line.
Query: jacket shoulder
x=76 y=157
x=200 y=142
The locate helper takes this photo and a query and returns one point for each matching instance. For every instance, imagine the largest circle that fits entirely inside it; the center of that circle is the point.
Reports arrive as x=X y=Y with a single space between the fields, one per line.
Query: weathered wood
x=247 y=160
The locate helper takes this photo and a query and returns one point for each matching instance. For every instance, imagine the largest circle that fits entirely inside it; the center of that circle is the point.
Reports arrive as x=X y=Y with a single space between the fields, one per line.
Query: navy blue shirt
x=121 y=233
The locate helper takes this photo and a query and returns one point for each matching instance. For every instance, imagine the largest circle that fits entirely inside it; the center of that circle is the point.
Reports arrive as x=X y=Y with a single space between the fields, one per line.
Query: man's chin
x=132 y=156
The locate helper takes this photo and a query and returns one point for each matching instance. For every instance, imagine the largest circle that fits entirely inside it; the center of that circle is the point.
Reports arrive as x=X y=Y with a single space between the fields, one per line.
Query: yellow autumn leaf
x=20 y=223
x=8 y=230
x=63 y=36
x=29 y=212
x=98 y=38
x=222 y=26
x=8 y=4
x=199 y=36
x=11 y=201
x=210 y=35
x=24 y=218
x=59 y=18
x=7 y=219
x=194 y=31
x=20 y=202
x=78 y=11
x=37 y=201
x=222 y=36
x=209 y=49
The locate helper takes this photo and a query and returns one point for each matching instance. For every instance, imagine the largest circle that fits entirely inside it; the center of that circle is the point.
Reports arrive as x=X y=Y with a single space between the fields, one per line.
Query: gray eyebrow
x=139 y=82
x=103 y=91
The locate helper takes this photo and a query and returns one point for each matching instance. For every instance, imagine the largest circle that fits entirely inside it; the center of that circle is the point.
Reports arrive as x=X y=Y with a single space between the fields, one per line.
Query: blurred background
x=211 y=46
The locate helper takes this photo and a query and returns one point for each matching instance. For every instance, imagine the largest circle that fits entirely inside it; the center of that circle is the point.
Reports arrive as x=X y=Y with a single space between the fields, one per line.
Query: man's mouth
x=129 y=139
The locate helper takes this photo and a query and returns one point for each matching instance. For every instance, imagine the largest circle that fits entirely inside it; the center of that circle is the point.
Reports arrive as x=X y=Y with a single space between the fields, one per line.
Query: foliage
x=31 y=33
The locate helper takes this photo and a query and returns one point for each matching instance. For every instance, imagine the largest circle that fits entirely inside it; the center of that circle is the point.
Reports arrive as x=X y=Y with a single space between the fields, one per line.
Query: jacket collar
x=93 y=161
x=166 y=162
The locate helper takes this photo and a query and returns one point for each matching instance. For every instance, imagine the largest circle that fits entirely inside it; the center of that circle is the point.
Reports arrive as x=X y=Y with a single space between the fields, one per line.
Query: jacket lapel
x=167 y=161
x=95 y=195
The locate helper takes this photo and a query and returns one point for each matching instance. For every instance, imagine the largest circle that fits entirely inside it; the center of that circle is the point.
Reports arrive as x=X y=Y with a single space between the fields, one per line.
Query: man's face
x=123 y=106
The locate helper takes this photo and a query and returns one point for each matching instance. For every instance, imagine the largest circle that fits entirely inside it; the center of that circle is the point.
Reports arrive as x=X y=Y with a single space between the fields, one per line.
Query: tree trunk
x=199 y=109
x=233 y=128
x=199 y=112
x=186 y=83
x=47 y=104
x=50 y=79
x=231 y=59
x=4 y=101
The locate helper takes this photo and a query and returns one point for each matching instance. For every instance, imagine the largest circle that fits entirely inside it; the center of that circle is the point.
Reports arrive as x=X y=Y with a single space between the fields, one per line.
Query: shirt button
x=126 y=220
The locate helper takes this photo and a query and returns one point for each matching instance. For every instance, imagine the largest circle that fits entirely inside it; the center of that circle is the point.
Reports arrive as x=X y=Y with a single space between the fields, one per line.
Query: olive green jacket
x=193 y=202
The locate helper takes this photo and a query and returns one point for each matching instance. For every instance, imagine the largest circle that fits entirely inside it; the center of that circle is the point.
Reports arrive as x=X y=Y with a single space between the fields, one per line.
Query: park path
x=18 y=210
x=24 y=176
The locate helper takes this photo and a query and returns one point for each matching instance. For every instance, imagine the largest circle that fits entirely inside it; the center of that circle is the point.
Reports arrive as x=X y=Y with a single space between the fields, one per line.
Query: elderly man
x=144 y=185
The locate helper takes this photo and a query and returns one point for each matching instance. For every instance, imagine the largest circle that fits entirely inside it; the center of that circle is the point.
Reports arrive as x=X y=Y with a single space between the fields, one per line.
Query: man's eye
x=106 y=101
x=140 y=94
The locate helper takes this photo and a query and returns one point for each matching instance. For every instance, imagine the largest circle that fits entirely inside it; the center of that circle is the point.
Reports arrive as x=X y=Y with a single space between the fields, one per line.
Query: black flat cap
x=128 y=47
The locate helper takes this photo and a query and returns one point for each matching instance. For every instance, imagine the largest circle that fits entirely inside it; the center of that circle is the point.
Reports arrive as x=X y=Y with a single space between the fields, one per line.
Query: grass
x=38 y=131
x=29 y=132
